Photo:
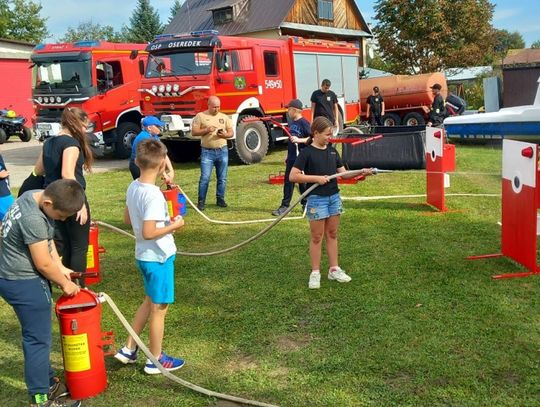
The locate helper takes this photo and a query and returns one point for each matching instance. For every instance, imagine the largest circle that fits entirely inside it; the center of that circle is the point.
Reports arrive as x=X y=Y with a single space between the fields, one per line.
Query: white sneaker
x=314 y=280
x=339 y=276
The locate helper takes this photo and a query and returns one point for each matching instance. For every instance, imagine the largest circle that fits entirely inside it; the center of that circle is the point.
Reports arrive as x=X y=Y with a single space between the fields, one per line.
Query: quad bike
x=11 y=124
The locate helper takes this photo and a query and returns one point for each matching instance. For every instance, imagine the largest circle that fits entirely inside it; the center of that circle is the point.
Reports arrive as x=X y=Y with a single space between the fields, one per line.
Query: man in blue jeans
x=214 y=128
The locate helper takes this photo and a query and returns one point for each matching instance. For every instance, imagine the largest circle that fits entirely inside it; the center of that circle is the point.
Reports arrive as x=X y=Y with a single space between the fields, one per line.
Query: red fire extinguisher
x=82 y=344
x=171 y=196
x=92 y=256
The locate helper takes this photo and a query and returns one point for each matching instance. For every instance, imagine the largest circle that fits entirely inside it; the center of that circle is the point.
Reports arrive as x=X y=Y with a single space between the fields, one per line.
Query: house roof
x=256 y=15
x=465 y=74
x=522 y=57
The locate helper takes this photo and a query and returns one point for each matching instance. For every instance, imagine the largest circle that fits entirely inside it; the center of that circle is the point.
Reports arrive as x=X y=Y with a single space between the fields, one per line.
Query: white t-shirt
x=146 y=202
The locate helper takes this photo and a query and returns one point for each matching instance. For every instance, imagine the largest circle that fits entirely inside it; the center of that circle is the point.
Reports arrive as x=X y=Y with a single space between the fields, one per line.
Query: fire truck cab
x=102 y=78
x=253 y=77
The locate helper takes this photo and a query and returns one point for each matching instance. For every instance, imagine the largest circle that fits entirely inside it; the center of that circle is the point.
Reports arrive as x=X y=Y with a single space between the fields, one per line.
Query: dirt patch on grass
x=242 y=362
x=398 y=380
x=293 y=342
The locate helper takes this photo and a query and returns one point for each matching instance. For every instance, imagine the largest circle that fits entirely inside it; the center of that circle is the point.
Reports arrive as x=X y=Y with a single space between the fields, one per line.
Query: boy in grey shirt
x=29 y=262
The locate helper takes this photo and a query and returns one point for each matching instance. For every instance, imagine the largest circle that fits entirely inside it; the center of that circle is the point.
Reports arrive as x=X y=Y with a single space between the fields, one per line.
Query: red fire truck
x=252 y=77
x=102 y=78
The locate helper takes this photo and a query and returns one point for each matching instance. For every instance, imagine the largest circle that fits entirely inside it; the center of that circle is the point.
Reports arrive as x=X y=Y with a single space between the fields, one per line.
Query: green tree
x=174 y=9
x=21 y=20
x=536 y=44
x=505 y=40
x=144 y=23
x=4 y=18
x=87 y=30
x=419 y=36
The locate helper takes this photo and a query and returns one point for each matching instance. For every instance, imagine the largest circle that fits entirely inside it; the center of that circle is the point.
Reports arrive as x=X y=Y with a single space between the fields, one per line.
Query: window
x=242 y=60
x=271 y=63
x=325 y=9
x=108 y=75
x=222 y=16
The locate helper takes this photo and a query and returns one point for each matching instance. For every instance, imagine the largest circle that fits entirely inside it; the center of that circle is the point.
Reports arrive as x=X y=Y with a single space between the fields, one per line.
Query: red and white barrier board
x=440 y=159
x=520 y=202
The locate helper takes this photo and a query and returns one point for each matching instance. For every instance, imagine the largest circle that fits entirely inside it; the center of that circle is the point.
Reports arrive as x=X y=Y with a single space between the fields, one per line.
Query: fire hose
x=104 y=297
x=351 y=173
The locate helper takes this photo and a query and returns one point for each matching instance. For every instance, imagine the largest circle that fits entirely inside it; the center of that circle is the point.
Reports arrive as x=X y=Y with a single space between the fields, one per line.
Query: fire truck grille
x=180 y=106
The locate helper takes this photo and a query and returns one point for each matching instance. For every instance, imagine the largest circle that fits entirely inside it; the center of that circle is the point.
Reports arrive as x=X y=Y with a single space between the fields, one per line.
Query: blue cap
x=152 y=121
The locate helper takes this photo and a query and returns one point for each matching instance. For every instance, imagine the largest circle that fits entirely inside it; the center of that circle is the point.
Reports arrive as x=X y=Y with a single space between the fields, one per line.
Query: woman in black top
x=313 y=166
x=66 y=156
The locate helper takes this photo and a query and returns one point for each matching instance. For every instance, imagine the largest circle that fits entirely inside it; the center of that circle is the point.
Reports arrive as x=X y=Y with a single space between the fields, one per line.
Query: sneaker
x=65 y=402
x=339 y=276
x=57 y=390
x=169 y=363
x=200 y=205
x=279 y=211
x=221 y=203
x=126 y=356
x=314 y=280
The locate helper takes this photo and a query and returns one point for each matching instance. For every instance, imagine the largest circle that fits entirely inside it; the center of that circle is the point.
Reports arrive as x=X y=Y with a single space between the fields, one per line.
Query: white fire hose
x=351 y=173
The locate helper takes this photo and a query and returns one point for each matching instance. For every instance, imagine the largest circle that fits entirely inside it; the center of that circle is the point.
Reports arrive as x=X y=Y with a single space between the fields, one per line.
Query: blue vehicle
x=11 y=124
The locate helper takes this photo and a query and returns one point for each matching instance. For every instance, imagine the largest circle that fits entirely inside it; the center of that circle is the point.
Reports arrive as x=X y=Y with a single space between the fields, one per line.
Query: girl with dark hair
x=65 y=156
x=314 y=165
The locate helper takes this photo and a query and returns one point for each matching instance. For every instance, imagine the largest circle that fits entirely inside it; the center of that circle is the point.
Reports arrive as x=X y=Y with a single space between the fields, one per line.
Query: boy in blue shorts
x=155 y=250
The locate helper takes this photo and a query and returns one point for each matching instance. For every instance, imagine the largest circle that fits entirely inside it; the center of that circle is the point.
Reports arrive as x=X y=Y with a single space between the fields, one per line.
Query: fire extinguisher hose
x=168 y=374
x=351 y=173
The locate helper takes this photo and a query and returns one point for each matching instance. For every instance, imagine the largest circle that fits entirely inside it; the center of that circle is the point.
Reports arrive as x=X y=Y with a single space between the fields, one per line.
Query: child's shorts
x=5 y=203
x=158 y=280
x=322 y=207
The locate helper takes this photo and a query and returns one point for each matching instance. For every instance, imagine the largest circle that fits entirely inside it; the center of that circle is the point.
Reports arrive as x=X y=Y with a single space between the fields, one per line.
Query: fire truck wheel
x=413 y=119
x=391 y=119
x=26 y=134
x=3 y=136
x=125 y=133
x=251 y=144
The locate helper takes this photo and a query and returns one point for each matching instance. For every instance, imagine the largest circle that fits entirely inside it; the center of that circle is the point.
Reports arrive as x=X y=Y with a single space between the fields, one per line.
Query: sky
x=512 y=15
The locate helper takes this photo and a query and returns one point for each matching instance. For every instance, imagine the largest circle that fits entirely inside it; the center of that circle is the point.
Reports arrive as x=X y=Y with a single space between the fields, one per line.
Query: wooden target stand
x=520 y=203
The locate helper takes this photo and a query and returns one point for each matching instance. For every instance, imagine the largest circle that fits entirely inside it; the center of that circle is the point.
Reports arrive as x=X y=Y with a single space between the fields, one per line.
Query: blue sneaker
x=168 y=363
x=126 y=355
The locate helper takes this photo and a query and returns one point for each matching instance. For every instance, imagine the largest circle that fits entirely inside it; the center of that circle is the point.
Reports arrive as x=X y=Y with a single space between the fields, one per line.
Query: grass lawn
x=418 y=325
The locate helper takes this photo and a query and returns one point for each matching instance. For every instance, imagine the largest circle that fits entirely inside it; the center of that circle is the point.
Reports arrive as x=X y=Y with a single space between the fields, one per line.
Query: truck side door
x=236 y=78
x=272 y=98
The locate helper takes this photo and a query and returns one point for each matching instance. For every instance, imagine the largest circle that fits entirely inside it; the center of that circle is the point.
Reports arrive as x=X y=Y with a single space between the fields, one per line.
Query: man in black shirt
x=324 y=103
x=438 y=109
x=375 y=107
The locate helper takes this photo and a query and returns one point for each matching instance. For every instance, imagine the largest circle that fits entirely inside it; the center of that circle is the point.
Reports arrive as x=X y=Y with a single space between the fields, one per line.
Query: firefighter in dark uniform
x=438 y=109
x=375 y=107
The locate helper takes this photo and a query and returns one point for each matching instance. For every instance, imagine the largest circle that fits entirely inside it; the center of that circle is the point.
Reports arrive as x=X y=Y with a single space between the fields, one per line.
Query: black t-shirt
x=299 y=128
x=314 y=161
x=324 y=104
x=375 y=104
x=438 y=111
x=52 y=159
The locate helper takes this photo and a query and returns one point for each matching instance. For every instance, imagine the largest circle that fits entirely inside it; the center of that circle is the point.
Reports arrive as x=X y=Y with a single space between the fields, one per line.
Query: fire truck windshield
x=65 y=74
x=186 y=63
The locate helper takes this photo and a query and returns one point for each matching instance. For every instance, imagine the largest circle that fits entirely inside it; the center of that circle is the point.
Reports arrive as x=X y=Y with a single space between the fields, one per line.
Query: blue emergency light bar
x=87 y=43
x=201 y=33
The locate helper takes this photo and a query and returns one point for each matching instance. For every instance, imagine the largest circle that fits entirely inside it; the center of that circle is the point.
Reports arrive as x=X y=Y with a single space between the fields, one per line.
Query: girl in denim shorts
x=314 y=165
